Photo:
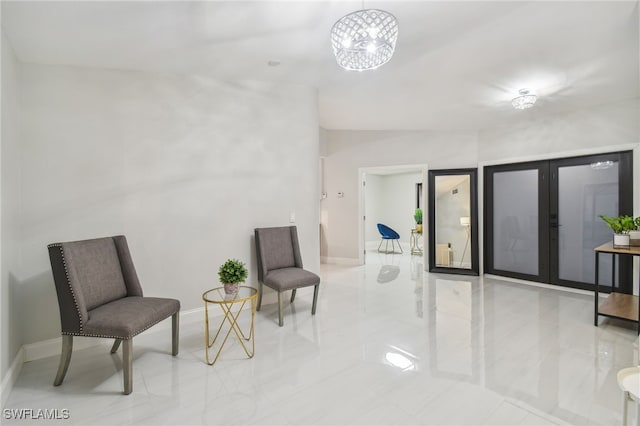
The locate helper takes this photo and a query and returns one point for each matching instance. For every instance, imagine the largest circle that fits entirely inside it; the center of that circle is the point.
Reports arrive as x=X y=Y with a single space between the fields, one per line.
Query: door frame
x=362 y=178
x=625 y=207
x=473 y=211
x=543 y=224
x=547 y=198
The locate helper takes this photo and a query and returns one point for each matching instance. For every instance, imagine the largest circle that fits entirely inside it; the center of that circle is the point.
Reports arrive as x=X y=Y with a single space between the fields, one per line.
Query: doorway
x=542 y=218
x=388 y=196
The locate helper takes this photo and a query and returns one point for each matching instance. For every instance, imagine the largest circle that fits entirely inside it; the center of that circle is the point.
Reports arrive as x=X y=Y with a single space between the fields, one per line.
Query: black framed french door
x=542 y=218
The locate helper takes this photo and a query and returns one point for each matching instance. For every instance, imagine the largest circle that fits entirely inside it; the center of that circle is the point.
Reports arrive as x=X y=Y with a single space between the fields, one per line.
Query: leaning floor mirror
x=453 y=221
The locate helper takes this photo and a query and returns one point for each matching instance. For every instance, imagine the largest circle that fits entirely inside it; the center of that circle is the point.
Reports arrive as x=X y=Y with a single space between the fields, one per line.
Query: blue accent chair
x=387 y=235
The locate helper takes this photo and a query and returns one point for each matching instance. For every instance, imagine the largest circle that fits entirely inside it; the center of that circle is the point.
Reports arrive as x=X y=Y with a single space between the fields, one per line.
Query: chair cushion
x=290 y=278
x=126 y=317
x=97 y=268
x=277 y=248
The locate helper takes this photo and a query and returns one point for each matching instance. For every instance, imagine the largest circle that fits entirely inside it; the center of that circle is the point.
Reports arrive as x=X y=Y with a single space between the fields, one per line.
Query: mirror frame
x=473 y=195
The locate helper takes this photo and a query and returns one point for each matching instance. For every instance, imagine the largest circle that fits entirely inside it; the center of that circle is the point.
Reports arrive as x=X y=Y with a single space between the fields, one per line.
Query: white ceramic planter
x=621 y=240
x=634 y=237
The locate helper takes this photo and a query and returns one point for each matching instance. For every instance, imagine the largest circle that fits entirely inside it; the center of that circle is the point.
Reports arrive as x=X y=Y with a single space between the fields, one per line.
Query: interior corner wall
x=348 y=151
x=11 y=334
x=185 y=166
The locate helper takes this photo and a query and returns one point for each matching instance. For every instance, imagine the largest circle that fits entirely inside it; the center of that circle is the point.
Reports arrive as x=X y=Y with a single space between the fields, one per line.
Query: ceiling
x=456 y=67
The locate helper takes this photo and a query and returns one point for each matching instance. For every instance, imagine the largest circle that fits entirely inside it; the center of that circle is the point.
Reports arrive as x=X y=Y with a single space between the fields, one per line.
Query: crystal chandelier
x=365 y=39
x=525 y=100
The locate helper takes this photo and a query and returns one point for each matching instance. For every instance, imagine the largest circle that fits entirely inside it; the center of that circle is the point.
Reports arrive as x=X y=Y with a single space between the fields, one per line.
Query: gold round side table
x=232 y=306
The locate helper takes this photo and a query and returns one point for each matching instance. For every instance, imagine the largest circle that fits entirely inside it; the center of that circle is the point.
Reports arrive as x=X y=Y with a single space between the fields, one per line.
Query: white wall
x=587 y=129
x=185 y=166
x=10 y=208
x=393 y=204
x=347 y=151
x=374 y=197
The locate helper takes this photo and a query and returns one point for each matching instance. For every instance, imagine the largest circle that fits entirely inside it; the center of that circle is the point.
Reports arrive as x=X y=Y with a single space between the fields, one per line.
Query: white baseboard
x=12 y=375
x=53 y=347
x=340 y=260
x=543 y=285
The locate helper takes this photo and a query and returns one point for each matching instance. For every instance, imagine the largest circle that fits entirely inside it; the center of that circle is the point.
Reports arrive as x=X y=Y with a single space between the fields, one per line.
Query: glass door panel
x=585 y=193
x=515 y=221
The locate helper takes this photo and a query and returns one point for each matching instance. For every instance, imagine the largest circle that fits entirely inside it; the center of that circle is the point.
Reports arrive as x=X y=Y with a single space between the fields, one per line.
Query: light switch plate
x=292 y=217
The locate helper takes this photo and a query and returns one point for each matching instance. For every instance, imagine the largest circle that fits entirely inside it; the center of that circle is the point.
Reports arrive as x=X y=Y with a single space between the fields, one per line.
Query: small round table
x=232 y=306
x=629 y=382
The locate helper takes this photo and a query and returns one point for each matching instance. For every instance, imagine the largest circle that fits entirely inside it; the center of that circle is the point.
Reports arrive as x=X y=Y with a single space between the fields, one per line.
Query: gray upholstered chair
x=100 y=296
x=280 y=265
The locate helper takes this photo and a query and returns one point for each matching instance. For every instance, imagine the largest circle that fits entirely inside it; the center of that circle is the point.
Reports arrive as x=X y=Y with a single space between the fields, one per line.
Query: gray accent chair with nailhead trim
x=280 y=265
x=99 y=295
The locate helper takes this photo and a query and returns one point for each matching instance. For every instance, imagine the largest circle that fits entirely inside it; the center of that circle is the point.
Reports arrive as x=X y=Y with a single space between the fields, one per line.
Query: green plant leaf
x=232 y=271
x=621 y=224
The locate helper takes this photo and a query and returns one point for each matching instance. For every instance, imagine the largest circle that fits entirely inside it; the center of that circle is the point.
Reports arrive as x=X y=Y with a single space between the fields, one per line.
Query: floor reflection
x=535 y=345
x=421 y=349
x=388 y=273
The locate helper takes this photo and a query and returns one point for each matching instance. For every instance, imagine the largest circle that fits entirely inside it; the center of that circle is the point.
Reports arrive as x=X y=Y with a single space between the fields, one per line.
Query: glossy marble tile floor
x=389 y=345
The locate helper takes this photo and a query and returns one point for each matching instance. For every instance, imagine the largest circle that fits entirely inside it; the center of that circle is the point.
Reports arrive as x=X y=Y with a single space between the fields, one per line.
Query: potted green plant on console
x=621 y=226
x=231 y=274
x=417 y=216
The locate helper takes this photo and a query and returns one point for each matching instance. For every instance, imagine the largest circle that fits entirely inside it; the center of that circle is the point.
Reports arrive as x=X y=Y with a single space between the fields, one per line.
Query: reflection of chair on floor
x=388 y=273
x=387 y=235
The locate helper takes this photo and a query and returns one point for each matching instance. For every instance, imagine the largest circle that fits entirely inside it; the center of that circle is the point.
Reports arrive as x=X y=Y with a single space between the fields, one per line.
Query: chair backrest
x=387 y=232
x=90 y=273
x=277 y=248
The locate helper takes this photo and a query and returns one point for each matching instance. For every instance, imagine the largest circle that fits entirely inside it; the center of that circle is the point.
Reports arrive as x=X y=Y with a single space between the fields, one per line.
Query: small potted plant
x=231 y=274
x=417 y=216
x=621 y=226
x=634 y=236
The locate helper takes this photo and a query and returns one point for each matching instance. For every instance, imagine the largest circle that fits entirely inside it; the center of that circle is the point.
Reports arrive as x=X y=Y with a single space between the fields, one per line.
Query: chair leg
x=400 y=247
x=127 y=361
x=380 y=245
x=315 y=299
x=65 y=358
x=280 y=321
x=259 y=296
x=175 y=333
x=293 y=295
x=115 y=346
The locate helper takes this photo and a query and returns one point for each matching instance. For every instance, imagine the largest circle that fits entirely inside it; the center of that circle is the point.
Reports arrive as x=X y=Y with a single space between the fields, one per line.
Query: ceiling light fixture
x=602 y=165
x=525 y=100
x=365 y=39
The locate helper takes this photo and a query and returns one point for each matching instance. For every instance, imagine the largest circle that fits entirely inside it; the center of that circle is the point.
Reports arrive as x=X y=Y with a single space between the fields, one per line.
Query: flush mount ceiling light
x=365 y=39
x=525 y=100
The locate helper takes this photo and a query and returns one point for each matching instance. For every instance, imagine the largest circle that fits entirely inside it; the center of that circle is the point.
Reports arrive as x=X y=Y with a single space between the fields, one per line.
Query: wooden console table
x=617 y=305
